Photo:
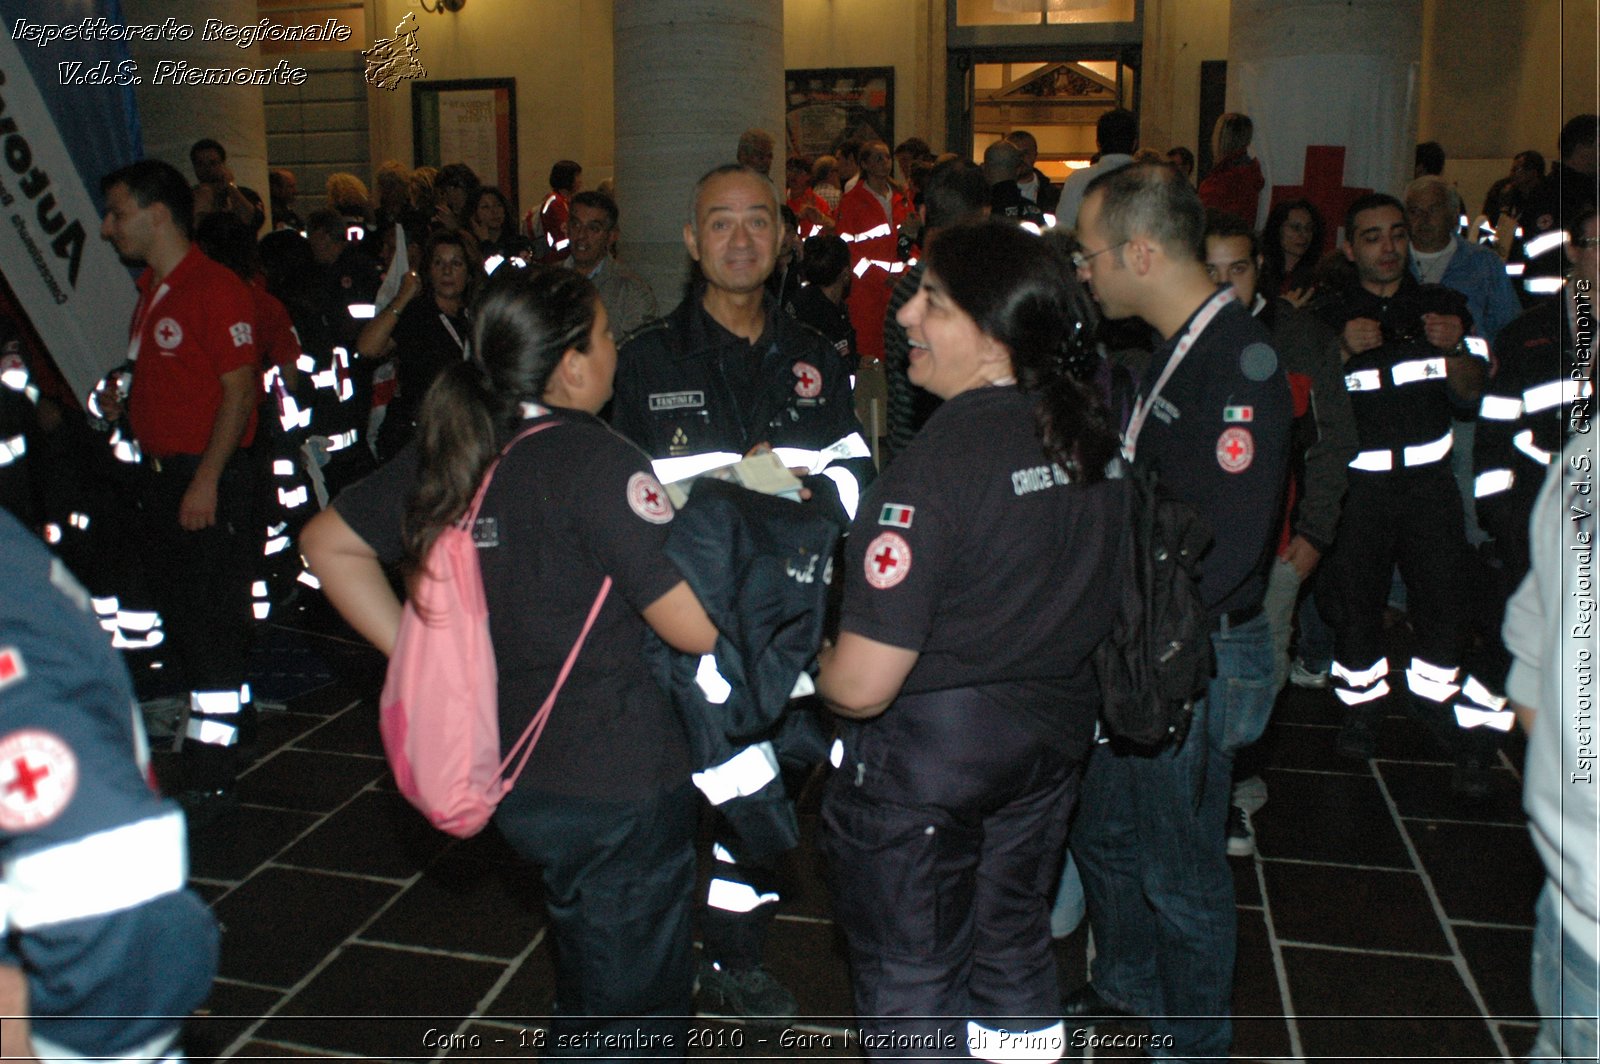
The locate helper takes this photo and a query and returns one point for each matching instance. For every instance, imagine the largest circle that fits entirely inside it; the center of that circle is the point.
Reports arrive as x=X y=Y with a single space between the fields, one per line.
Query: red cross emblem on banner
x=888 y=560
x=1322 y=184
x=808 y=382
x=38 y=776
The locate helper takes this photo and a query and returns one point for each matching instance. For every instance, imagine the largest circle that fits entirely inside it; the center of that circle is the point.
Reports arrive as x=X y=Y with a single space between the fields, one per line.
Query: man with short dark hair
x=1430 y=159
x=1567 y=190
x=956 y=192
x=546 y=226
x=592 y=230
x=1322 y=444
x=192 y=407
x=1213 y=423
x=1408 y=368
x=1117 y=134
x=1002 y=165
x=1034 y=186
x=214 y=189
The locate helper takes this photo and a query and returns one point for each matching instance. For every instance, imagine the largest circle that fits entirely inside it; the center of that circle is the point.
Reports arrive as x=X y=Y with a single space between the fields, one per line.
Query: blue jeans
x=1564 y=988
x=1150 y=844
x=1316 y=638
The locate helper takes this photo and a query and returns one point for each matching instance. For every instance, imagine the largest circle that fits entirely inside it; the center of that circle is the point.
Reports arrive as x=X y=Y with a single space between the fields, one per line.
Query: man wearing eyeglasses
x=1212 y=422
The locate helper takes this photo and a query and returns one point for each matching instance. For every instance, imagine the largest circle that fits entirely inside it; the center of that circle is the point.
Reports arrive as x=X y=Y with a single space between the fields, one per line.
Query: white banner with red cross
x=1332 y=89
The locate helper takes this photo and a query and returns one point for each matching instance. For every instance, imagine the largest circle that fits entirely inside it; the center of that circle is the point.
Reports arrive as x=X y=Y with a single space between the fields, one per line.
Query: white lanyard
x=451 y=329
x=142 y=314
x=1197 y=325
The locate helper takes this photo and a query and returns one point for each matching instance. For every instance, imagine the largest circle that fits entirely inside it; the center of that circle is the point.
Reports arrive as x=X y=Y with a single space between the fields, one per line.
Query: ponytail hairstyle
x=1021 y=294
x=523 y=324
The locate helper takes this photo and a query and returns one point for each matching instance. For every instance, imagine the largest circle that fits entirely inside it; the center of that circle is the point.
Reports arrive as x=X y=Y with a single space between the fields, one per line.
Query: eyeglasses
x=1081 y=261
x=1586 y=242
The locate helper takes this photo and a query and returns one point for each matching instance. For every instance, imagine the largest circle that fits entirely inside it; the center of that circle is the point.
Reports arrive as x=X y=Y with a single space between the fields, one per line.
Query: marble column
x=691 y=75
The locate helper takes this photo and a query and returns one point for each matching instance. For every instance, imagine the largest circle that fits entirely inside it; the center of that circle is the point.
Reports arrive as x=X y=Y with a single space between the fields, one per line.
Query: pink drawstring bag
x=439 y=712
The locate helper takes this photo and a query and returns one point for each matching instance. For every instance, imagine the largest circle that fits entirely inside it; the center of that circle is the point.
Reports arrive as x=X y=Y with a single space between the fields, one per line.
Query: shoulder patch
x=807 y=380
x=648 y=499
x=888 y=560
x=895 y=515
x=38 y=776
x=1236 y=449
x=1258 y=361
x=12 y=670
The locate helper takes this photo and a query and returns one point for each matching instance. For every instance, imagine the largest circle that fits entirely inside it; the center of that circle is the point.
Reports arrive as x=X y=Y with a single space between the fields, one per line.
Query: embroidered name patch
x=677 y=401
x=888 y=560
x=1236 y=449
x=895 y=515
x=807 y=381
x=38 y=775
x=648 y=499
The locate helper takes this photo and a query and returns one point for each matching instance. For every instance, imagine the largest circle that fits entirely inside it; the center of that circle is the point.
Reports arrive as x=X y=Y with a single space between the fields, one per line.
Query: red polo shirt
x=188 y=330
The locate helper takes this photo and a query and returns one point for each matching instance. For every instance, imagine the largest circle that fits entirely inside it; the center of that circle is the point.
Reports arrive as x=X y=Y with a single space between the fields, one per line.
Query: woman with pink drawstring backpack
x=569 y=525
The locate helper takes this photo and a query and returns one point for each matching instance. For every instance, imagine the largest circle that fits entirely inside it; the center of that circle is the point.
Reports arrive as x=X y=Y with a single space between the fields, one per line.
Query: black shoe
x=1086 y=1002
x=751 y=993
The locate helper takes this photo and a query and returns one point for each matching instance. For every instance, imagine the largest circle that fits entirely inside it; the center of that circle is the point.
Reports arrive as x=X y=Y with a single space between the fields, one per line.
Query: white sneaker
x=1301 y=676
x=1241 y=833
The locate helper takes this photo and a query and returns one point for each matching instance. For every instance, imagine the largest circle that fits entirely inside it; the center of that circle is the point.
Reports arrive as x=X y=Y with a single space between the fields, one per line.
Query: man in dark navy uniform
x=1213 y=422
x=1409 y=366
x=103 y=951
x=727 y=372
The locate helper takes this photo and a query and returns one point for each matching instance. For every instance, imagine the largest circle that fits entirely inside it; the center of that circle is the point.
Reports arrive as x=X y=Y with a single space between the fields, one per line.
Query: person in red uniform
x=547 y=226
x=868 y=220
x=196 y=379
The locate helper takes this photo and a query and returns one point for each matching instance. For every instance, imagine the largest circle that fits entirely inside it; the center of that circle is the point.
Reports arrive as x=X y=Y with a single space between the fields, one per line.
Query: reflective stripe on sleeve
x=1523 y=441
x=1492 y=482
x=1363 y=380
x=1373 y=462
x=742 y=774
x=1500 y=408
x=102 y=873
x=1418 y=369
x=1554 y=393
x=1544 y=242
x=1427 y=453
x=733 y=897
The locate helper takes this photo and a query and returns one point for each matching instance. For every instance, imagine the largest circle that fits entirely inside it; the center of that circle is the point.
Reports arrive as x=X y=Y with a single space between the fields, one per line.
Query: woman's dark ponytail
x=524 y=323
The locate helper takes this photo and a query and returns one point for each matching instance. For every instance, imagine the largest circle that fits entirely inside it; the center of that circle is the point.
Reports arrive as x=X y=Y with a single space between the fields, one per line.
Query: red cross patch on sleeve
x=888 y=560
x=648 y=499
x=38 y=775
x=1236 y=449
x=807 y=381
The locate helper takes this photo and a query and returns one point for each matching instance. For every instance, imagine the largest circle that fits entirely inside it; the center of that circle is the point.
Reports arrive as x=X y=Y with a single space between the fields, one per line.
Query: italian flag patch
x=896 y=516
x=1238 y=413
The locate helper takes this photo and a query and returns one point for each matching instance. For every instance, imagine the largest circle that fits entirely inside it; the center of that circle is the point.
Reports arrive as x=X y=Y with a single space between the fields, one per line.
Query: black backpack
x=1157 y=660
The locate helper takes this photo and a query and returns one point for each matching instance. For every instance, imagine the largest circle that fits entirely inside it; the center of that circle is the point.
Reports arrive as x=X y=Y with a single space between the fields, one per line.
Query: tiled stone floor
x=1380 y=919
